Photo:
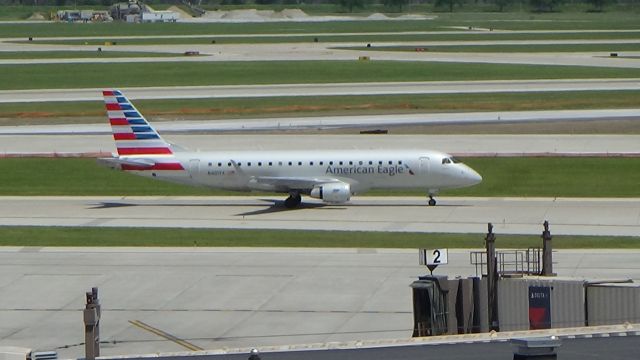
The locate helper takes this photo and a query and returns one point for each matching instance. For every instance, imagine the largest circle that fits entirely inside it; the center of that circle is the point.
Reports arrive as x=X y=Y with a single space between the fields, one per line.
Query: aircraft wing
x=281 y=183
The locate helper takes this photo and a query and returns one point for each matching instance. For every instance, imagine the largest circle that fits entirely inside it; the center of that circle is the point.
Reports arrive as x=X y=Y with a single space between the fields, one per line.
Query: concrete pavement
x=568 y=216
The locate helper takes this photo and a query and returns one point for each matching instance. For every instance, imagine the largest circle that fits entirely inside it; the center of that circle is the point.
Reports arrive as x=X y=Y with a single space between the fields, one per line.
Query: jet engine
x=336 y=192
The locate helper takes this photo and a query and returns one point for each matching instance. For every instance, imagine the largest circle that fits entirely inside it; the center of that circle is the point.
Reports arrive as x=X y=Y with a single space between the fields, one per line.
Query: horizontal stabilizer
x=125 y=161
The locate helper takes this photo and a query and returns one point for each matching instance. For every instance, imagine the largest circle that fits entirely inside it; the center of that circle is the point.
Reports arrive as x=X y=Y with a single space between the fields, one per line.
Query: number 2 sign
x=433 y=256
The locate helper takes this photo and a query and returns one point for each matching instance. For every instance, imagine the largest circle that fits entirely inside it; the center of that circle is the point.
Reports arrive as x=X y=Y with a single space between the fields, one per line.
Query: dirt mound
x=183 y=14
x=36 y=16
x=244 y=15
x=214 y=14
x=377 y=16
x=294 y=14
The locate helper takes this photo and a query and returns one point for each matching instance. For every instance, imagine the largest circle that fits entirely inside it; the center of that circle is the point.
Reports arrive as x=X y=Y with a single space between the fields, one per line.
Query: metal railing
x=510 y=262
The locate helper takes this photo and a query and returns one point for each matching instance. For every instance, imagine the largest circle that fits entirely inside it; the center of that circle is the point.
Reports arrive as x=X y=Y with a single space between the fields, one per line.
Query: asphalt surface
x=236 y=298
x=453 y=144
x=388 y=88
x=297 y=51
x=568 y=216
x=282 y=124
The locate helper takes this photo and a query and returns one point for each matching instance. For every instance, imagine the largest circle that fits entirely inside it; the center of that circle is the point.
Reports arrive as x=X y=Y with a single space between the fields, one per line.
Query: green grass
x=78 y=54
x=69 y=236
x=612 y=20
x=527 y=48
x=551 y=177
x=537 y=177
x=365 y=38
x=93 y=111
x=281 y=72
x=80 y=177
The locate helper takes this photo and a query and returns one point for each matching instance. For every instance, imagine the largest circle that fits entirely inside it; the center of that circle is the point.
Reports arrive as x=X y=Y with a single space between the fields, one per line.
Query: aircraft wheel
x=292 y=201
x=432 y=201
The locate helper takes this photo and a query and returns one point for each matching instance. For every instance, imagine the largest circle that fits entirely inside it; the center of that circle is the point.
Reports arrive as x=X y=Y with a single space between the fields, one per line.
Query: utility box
x=531 y=303
x=609 y=304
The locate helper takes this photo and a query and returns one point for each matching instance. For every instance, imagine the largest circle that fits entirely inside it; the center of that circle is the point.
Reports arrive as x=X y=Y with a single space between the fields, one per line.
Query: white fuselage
x=362 y=170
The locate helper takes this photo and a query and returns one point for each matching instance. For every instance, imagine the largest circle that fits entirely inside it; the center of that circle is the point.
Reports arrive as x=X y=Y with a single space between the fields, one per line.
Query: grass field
x=93 y=111
x=499 y=21
x=537 y=177
x=68 y=236
x=44 y=76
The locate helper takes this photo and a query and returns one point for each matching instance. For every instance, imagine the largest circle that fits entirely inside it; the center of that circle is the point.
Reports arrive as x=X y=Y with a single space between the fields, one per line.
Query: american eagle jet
x=330 y=175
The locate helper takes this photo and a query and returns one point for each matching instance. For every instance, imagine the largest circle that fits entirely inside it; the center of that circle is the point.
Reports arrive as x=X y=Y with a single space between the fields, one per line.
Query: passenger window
x=290 y=163
x=260 y=164
x=270 y=163
x=219 y=164
x=359 y=162
x=311 y=163
x=210 y=164
x=379 y=162
x=399 y=162
x=340 y=163
x=229 y=164
x=321 y=163
x=330 y=162
x=248 y=164
x=390 y=162
x=350 y=162
x=370 y=162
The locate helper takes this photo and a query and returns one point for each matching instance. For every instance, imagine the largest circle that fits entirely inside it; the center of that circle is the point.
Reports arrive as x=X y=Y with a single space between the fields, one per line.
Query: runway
x=461 y=145
x=568 y=216
x=331 y=51
x=350 y=89
x=282 y=124
x=221 y=298
x=325 y=52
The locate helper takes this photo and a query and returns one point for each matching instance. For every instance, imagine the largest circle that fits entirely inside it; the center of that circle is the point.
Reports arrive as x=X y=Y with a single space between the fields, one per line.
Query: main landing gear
x=293 y=200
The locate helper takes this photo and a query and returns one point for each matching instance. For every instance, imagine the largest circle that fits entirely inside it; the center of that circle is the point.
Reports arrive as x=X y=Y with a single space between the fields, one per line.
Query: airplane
x=329 y=175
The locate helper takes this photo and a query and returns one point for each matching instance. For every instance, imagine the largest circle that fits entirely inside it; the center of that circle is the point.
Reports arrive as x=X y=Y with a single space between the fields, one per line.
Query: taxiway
x=617 y=217
x=350 y=89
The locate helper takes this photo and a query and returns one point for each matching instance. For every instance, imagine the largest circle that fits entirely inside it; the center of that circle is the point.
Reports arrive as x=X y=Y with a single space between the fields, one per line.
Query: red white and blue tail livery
x=139 y=145
x=131 y=131
x=330 y=175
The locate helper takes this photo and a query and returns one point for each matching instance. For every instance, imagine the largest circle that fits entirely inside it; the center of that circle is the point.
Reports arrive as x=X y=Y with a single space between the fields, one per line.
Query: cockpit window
x=450 y=160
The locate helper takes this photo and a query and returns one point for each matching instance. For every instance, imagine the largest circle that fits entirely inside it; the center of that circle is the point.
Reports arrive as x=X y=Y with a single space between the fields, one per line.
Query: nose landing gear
x=432 y=201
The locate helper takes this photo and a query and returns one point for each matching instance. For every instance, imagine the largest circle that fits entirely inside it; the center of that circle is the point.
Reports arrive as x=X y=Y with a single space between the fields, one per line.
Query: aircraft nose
x=472 y=176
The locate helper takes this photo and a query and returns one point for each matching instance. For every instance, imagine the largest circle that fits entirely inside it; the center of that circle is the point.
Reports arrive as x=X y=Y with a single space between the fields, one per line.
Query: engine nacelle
x=336 y=192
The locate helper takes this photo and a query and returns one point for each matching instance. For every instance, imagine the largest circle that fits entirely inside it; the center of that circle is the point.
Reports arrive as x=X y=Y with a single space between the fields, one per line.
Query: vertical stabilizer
x=140 y=147
x=131 y=131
